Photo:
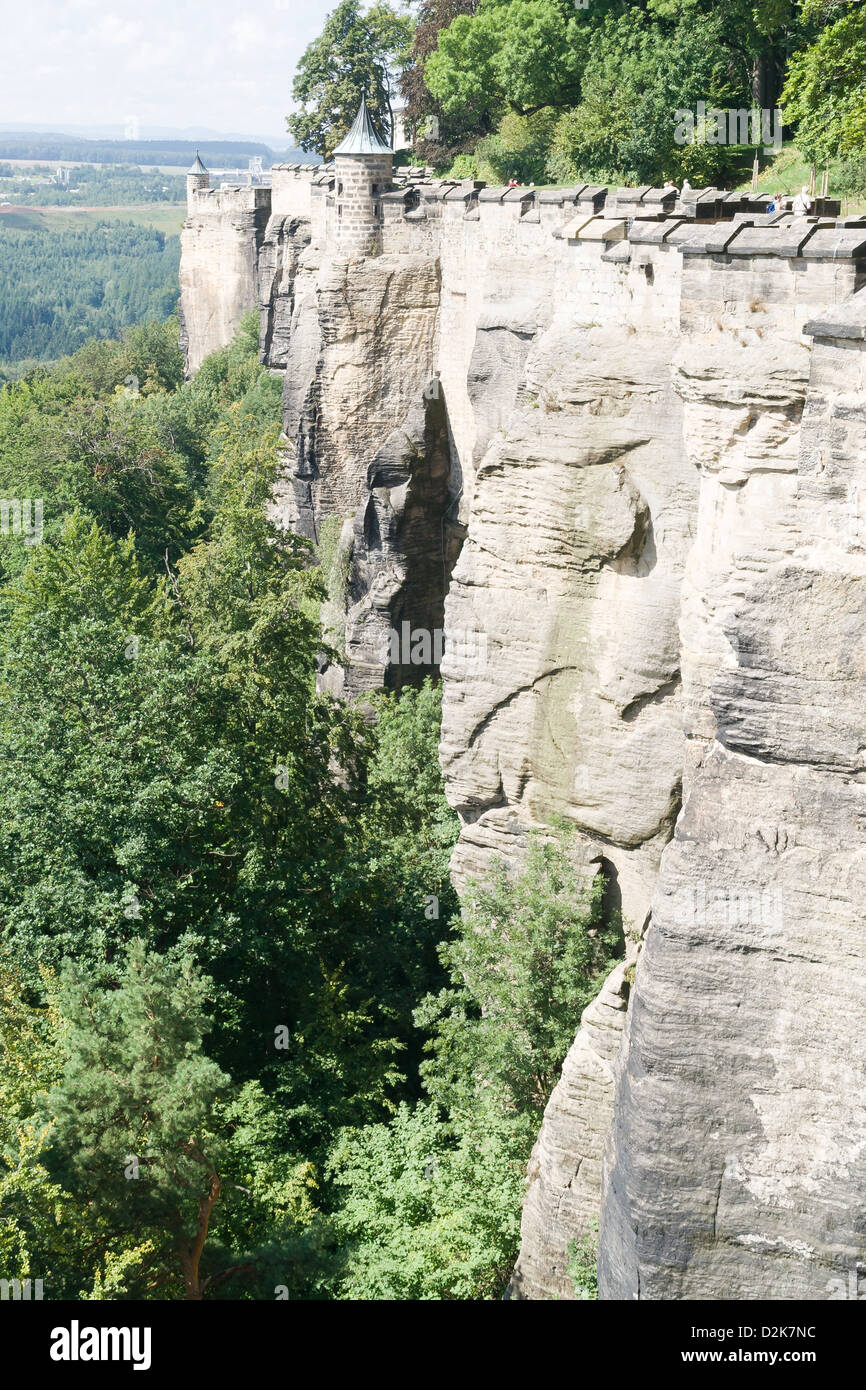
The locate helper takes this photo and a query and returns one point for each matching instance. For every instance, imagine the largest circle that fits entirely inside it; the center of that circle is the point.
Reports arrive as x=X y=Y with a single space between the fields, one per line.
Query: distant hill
x=16 y=144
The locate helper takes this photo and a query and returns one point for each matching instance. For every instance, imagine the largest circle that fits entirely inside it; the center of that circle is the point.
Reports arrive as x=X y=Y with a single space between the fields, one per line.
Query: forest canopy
x=59 y=289
x=249 y=1046
x=558 y=90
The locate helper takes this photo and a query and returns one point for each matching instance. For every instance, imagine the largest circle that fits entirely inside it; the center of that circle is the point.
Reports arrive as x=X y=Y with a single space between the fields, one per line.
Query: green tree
x=134 y=1109
x=428 y=1212
x=36 y=1214
x=637 y=76
x=429 y=1204
x=825 y=90
x=530 y=952
x=358 y=52
x=523 y=54
x=436 y=135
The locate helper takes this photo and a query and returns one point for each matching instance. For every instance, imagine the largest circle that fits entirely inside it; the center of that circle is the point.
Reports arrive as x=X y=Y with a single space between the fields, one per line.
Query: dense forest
x=60 y=288
x=248 y=1047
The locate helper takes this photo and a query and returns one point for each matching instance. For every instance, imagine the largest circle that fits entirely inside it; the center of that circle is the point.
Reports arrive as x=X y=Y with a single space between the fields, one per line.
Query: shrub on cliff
x=429 y=1204
x=528 y=955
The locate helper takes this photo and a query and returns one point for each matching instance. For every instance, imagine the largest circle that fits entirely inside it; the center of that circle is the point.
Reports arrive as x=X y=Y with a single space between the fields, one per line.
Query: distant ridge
x=16 y=144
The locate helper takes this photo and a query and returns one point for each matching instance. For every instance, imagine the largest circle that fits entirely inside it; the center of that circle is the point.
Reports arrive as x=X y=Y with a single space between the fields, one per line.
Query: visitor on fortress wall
x=687 y=188
x=775 y=205
x=670 y=187
x=802 y=203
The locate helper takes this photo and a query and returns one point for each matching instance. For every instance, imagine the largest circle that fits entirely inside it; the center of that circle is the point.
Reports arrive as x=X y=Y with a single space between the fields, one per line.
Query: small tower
x=197 y=177
x=363 y=165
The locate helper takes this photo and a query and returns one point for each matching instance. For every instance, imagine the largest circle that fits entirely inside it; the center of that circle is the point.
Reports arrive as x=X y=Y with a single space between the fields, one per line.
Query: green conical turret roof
x=197 y=167
x=362 y=138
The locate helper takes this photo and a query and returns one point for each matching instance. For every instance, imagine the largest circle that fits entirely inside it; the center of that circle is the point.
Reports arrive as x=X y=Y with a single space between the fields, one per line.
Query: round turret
x=363 y=167
x=197 y=178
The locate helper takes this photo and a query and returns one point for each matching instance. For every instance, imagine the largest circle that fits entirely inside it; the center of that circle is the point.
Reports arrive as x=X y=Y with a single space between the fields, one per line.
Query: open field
x=163 y=217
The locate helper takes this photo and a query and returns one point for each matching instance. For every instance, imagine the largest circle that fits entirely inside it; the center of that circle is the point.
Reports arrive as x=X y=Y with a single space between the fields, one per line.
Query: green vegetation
x=60 y=288
x=248 y=1047
x=335 y=562
x=354 y=54
x=825 y=91
x=90 y=186
x=430 y=1203
x=554 y=91
x=583 y=1264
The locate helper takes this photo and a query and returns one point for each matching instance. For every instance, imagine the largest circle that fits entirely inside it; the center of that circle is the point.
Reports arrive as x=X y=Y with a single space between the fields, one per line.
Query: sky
x=169 y=63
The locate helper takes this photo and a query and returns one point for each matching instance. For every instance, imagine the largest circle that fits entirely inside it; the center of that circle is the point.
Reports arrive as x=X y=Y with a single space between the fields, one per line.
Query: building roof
x=362 y=138
x=197 y=167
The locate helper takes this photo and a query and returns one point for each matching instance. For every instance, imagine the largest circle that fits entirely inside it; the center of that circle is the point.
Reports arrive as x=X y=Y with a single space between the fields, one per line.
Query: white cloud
x=248 y=32
x=117 y=32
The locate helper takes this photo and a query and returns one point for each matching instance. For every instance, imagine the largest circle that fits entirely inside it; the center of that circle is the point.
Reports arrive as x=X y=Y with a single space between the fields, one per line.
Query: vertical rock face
x=220 y=244
x=569 y=577
x=647 y=438
x=285 y=239
x=369 y=425
x=563 y=1182
x=568 y=700
x=737 y=1159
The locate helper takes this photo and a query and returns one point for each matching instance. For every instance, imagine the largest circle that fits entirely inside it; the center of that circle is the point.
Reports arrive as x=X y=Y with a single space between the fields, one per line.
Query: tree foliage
x=358 y=52
x=59 y=289
x=248 y=1043
x=825 y=91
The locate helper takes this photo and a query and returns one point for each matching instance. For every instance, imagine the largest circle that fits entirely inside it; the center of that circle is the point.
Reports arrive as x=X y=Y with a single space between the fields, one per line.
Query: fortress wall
x=741 y=367
x=226 y=202
x=321 y=214
x=291 y=191
x=220 y=244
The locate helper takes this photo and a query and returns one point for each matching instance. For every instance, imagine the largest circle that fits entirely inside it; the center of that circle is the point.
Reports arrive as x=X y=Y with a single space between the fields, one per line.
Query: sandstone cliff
x=738 y=1153
x=597 y=446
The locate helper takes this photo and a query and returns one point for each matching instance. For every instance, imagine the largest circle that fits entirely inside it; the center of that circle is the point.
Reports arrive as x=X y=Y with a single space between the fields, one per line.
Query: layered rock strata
x=737 y=1158
x=619 y=415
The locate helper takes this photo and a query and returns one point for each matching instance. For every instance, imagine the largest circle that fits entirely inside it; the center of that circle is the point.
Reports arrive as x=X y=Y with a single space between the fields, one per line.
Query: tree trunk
x=190 y=1251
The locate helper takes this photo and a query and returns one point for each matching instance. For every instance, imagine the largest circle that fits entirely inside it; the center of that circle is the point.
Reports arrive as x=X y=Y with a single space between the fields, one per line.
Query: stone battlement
x=240 y=245
x=232 y=198
x=415 y=200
